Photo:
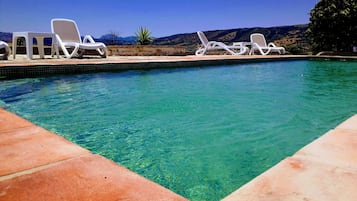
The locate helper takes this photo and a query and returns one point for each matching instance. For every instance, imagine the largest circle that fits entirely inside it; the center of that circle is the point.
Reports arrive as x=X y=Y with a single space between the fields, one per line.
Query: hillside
x=293 y=36
x=282 y=35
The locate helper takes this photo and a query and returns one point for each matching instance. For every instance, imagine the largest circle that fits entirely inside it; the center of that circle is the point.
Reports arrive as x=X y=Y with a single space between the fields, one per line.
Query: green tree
x=333 y=25
x=144 y=36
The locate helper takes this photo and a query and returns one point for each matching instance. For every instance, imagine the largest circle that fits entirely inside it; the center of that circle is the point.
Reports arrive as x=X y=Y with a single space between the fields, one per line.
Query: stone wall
x=128 y=50
x=146 y=50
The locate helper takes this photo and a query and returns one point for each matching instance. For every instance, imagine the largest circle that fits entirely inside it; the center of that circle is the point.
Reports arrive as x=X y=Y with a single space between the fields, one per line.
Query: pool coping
x=23 y=68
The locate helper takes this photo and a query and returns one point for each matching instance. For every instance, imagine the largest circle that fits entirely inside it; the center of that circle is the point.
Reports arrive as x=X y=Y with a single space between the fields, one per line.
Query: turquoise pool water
x=201 y=132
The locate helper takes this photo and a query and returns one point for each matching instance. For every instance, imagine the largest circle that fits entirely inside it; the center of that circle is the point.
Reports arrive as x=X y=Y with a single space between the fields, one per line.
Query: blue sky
x=162 y=17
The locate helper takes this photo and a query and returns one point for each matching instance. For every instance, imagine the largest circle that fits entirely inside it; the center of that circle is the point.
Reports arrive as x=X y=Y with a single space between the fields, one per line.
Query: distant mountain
x=281 y=35
x=7 y=37
x=112 y=39
x=129 y=39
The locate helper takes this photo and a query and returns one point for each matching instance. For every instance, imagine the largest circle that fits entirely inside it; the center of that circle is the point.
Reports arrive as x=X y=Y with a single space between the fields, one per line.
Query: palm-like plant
x=143 y=36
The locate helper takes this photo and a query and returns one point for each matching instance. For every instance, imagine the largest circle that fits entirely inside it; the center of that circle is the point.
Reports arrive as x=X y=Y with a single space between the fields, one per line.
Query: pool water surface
x=201 y=132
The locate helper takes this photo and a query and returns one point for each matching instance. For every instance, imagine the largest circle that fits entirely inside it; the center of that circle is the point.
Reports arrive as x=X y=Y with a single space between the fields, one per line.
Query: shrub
x=333 y=25
x=143 y=36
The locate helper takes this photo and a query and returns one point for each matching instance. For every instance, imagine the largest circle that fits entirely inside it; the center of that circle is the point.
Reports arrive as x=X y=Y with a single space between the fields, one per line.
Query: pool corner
x=39 y=165
x=322 y=170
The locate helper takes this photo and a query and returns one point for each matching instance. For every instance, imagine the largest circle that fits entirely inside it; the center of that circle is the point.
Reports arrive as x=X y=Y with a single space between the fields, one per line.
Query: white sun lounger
x=214 y=45
x=259 y=44
x=4 y=45
x=68 y=36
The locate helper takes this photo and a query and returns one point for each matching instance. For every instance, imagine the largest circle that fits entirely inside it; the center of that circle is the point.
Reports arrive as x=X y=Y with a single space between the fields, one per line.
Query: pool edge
x=36 y=68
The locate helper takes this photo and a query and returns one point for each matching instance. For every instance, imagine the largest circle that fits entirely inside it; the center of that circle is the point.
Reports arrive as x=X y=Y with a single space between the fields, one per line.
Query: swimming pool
x=201 y=132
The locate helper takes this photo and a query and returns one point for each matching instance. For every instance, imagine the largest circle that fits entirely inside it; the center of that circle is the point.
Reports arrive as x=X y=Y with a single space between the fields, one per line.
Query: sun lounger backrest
x=203 y=38
x=258 y=39
x=66 y=29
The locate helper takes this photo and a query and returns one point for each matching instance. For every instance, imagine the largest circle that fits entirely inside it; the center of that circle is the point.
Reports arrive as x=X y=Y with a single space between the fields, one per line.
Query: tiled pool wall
x=38 y=68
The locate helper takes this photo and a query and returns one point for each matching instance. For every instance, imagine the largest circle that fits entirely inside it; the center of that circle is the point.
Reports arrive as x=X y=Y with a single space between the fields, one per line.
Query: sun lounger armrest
x=215 y=44
x=88 y=39
x=255 y=45
x=271 y=44
x=63 y=45
x=7 y=48
x=280 y=49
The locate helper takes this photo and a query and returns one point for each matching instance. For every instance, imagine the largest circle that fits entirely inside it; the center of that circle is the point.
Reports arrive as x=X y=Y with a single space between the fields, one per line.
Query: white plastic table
x=29 y=42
